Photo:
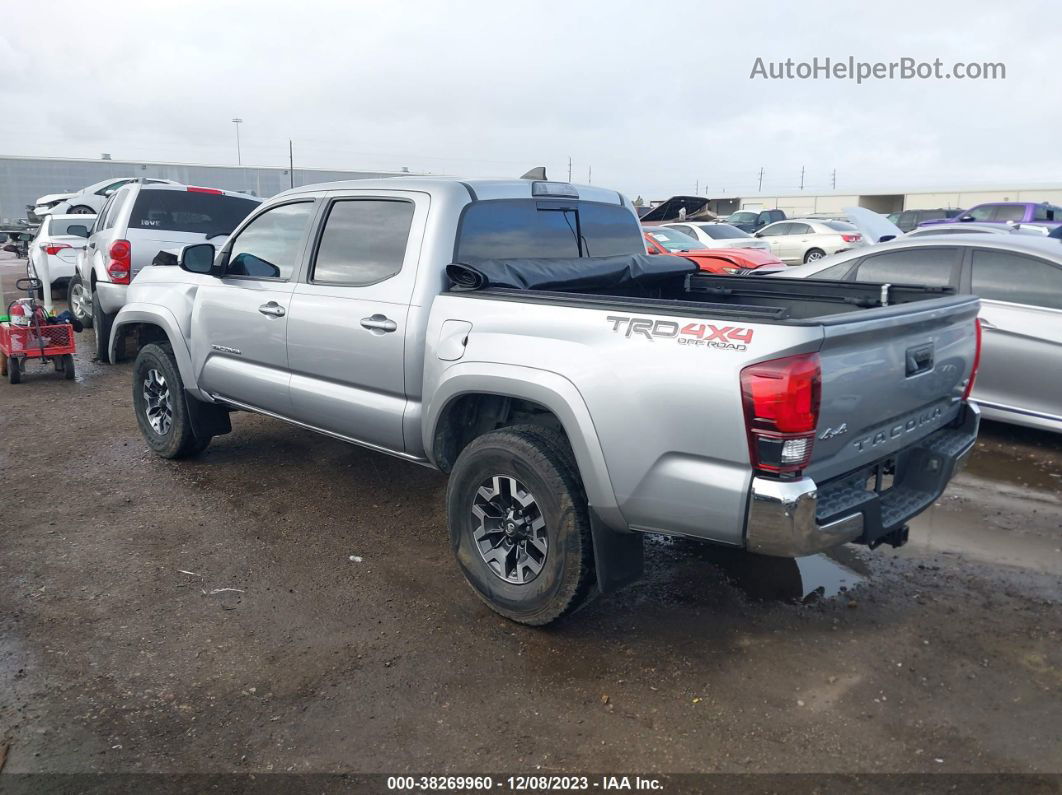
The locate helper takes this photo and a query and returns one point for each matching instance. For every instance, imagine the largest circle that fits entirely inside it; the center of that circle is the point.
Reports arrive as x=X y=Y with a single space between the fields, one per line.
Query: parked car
x=719 y=235
x=667 y=240
x=52 y=254
x=974 y=228
x=754 y=220
x=576 y=402
x=36 y=212
x=90 y=200
x=1043 y=213
x=806 y=240
x=137 y=221
x=684 y=208
x=1019 y=281
x=910 y=219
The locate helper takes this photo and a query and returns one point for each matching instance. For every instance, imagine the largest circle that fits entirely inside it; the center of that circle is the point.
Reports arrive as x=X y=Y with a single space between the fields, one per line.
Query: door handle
x=379 y=323
x=272 y=308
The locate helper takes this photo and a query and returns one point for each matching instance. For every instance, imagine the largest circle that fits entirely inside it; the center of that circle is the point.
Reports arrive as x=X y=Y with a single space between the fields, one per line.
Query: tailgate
x=890 y=377
x=145 y=244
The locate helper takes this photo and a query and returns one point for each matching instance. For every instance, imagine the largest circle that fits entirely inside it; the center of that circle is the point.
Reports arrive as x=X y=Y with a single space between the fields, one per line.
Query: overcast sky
x=654 y=97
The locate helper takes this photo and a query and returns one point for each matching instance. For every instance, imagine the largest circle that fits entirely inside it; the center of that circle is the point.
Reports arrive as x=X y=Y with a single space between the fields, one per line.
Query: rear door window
x=774 y=230
x=1015 y=278
x=1009 y=212
x=189 y=211
x=363 y=242
x=933 y=267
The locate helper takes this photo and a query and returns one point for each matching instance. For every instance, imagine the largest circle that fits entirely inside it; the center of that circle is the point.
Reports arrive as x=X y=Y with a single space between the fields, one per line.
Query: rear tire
x=14 y=372
x=81 y=209
x=161 y=404
x=813 y=255
x=521 y=478
x=101 y=323
x=80 y=304
x=65 y=365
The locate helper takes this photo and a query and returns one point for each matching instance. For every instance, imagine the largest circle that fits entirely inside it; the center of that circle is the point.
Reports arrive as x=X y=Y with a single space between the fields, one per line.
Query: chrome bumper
x=782 y=515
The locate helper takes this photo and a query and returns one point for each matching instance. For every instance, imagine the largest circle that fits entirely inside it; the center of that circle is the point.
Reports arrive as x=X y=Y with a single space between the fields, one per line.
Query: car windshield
x=59 y=228
x=722 y=231
x=189 y=211
x=742 y=218
x=839 y=226
x=673 y=240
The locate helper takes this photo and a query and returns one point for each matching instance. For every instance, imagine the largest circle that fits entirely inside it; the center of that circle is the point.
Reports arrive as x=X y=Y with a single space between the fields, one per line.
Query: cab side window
x=269 y=246
x=363 y=242
x=1017 y=279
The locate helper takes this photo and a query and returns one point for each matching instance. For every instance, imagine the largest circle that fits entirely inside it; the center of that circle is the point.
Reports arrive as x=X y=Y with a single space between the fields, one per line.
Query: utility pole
x=697 y=188
x=589 y=174
x=569 y=168
x=834 y=180
x=291 y=163
x=759 y=187
x=802 y=178
x=238 y=122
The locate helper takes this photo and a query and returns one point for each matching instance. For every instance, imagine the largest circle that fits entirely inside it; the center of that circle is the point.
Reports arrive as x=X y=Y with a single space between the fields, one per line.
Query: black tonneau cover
x=570 y=275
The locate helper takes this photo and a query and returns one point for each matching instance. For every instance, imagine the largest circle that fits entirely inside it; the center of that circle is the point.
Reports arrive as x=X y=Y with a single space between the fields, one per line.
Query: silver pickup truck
x=579 y=393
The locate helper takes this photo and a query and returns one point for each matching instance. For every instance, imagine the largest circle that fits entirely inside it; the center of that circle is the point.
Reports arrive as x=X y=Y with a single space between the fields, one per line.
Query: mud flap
x=619 y=557
x=208 y=419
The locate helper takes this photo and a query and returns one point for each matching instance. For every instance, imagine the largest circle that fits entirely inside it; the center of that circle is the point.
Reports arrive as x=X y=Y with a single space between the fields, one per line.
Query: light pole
x=238 y=122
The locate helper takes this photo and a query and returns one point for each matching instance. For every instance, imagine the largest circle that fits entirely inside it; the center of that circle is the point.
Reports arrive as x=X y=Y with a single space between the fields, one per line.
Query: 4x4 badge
x=829 y=433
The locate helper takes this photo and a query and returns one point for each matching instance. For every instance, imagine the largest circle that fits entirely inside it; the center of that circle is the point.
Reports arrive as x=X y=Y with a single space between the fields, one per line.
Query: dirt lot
x=351 y=643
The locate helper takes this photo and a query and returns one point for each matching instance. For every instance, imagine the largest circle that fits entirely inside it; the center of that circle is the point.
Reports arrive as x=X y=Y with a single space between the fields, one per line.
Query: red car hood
x=716 y=260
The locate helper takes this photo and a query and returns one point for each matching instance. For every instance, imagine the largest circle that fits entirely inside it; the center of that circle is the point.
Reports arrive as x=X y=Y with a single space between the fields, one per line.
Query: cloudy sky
x=655 y=98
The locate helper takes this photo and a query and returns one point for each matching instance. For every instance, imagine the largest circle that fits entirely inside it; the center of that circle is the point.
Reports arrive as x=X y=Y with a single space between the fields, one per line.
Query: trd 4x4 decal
x=731 y=338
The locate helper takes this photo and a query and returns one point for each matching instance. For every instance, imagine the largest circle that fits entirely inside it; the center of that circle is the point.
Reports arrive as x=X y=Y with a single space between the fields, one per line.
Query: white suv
x=139 y=220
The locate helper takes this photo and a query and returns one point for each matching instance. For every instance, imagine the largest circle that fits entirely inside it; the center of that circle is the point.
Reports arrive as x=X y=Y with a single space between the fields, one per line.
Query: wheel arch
x=475 y=398
x=153 y=324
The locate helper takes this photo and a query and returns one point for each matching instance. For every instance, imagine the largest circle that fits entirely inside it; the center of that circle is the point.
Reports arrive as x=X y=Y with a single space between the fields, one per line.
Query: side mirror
x=25 y=237
x=79 y=230
x=758 y=234
x=651 y=250
x=197 y=259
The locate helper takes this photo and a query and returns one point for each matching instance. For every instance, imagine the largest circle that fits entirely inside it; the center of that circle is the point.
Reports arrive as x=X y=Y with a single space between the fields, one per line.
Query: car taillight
x=51 y=249
x=976 y=361
x=193 y=189
x=729 y=269
x=120 y=265
x=781 y=399
x=851 y=238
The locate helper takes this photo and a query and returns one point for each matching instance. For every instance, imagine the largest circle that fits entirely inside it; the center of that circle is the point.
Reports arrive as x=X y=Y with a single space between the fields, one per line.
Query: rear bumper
x=799 y=517
x=112 y=296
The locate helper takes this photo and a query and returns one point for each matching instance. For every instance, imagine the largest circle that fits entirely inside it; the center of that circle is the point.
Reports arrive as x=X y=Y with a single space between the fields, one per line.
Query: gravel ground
x=286 y=602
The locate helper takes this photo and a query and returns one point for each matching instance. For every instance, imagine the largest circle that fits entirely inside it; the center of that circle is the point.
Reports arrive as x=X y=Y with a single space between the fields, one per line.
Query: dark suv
x=754 y=220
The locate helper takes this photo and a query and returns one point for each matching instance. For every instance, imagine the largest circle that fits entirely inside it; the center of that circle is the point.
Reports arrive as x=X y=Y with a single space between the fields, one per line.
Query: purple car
x=1039 y=213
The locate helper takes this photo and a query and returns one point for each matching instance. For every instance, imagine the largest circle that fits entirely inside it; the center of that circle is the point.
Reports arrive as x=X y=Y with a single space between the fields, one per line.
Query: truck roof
x=475 y=188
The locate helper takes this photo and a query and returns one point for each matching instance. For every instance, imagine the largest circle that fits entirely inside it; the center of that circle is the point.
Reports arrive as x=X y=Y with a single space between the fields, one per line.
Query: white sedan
x=719 y=235
x=801 y=240
x=52 y=255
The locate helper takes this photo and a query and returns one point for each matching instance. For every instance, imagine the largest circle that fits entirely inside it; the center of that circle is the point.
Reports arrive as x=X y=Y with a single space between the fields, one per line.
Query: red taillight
x=51 y=249
x=851 y=238
x=781 y=399
x=120 y=265
x=191 y=189
x=976 y=361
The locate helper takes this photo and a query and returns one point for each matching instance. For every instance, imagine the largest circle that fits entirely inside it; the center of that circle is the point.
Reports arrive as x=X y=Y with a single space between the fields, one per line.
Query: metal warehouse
x=24 y=179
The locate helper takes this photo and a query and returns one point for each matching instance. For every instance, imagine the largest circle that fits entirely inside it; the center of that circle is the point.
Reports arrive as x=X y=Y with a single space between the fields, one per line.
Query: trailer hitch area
x=897 y=538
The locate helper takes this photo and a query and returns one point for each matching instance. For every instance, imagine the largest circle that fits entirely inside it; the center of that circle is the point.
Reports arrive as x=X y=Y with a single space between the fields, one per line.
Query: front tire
x=813 y=255
x=81 y=209
x=520 y=526
x=161 y=404
x=101 y=323
x=80 y=302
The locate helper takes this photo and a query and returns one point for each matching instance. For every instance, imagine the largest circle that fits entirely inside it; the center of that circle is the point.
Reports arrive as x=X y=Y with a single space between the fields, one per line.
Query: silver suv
x=139 y=220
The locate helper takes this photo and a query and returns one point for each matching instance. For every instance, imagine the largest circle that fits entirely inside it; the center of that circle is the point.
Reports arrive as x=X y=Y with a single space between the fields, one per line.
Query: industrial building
x=24 y=179
x=800 y=204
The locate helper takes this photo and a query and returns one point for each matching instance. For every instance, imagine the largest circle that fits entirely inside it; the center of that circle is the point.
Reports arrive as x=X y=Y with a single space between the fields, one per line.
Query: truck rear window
x=522 y=228
x=189 y=211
